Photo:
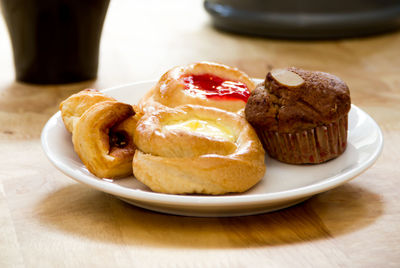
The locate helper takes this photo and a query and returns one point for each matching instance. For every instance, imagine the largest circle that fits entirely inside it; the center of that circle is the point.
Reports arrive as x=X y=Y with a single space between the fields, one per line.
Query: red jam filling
x=214 y=87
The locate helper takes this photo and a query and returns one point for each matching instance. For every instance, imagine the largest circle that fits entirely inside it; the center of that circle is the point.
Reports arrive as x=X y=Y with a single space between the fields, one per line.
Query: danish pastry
x=103 y=139
x=197 y=149
x=205 y=83
x=102 y=132
x=74 y=106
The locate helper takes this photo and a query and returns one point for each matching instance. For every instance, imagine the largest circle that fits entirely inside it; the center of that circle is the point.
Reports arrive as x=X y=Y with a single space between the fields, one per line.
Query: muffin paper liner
x=312 y=146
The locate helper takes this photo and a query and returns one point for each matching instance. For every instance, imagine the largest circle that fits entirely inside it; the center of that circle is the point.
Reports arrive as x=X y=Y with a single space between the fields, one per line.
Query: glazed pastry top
x=204 y=83
x=197 y=149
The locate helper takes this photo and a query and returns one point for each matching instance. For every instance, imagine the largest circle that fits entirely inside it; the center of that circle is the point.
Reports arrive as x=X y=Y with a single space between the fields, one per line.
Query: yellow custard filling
x=203 y=127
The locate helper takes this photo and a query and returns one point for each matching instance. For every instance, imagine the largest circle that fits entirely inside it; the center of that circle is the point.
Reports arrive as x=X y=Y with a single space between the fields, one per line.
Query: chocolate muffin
x=300 y=116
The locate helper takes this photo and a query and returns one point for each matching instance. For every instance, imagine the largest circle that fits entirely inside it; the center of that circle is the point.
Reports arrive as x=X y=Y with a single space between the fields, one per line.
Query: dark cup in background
x=55 y=41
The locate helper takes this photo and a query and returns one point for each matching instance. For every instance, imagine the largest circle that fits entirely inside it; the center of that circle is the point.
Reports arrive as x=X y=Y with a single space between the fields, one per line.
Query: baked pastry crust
x=74 y=106
x=102 y=132
x=180 y=161
x=103 y=139
x=170 y=89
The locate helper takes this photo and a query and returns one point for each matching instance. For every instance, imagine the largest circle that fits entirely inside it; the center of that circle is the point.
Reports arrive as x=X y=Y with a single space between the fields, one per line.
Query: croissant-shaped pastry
x=205 y=83
x=102 y=132
x=103 y=139
x=197 y=149
x=74 y=106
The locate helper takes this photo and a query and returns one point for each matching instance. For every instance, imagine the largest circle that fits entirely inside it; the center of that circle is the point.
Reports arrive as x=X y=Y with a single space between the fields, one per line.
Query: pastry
x=197 y=149
x=75 y=105
x=300 y=116
x=205 y=83
x=102 y=132
x=103 y=139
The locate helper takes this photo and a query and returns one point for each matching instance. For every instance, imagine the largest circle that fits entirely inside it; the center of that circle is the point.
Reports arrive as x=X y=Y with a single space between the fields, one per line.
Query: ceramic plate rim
x=137 y=194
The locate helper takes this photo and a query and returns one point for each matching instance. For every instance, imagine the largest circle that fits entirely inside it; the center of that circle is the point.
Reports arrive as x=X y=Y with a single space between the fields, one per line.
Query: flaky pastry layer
x=102 y=132
x=75 y=105
x=169 y=90
x=180 y=161
x=94 y=134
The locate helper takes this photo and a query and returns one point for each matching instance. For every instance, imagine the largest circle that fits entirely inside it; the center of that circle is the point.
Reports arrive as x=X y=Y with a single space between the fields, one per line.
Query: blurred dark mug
x=55 y=41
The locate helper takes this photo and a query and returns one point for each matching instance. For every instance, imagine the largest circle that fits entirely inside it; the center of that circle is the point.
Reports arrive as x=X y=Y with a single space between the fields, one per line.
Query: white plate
x=283 y=185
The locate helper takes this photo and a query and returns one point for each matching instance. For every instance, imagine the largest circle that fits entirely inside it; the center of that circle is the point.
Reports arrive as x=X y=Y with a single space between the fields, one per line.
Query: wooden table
x=48 y=220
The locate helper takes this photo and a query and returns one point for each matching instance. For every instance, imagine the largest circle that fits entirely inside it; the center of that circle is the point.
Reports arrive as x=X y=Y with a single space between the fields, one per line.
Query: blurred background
x=141 y=40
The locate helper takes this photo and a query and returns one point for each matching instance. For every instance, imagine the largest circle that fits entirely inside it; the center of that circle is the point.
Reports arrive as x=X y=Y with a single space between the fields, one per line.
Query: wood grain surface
x=48 y=220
